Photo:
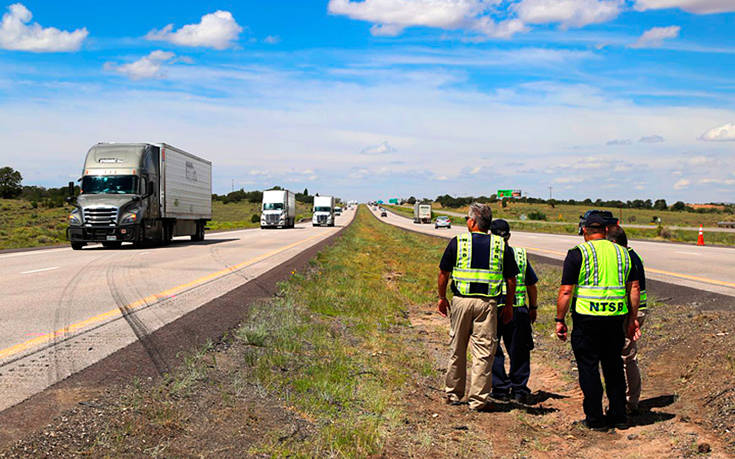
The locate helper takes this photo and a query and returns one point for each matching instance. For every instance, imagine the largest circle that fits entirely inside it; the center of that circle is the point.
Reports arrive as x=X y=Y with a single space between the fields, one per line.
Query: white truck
x=421 y=213
x=140 y=193
x=323 y=211
x=278 y=210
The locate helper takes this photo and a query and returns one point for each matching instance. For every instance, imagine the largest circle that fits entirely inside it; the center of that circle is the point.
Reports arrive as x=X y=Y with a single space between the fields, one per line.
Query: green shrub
x=536 y=215
x=255 y=218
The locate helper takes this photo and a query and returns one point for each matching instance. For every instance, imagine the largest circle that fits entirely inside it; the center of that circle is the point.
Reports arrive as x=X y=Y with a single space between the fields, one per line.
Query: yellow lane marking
x=687 y=276
x=654 y=270
x=114 y=313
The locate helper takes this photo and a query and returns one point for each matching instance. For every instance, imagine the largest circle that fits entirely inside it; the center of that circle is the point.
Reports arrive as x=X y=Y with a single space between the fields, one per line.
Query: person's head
x=501 y=228
x=617 y=235
x=479 y=217
x=595 y=227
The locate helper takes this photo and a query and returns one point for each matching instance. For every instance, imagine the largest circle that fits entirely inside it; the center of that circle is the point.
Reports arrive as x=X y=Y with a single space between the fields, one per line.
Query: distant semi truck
x=323 y=211
x=140 y=192
x=421 y=213
x=278 y=210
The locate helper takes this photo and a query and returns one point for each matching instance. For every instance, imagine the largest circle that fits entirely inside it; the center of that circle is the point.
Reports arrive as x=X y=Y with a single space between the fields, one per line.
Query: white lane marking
x=40 y=270
x=34 y=252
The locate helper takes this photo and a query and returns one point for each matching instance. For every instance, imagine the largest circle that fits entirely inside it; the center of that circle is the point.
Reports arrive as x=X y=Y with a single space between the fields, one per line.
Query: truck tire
x=77 y=245
x=199 y=235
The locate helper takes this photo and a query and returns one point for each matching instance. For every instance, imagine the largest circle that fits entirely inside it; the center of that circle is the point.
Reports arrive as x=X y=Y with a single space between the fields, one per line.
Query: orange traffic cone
x=700 y=238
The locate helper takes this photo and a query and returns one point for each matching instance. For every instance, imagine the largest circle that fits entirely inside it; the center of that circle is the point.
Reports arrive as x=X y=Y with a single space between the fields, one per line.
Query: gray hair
x=482 y=214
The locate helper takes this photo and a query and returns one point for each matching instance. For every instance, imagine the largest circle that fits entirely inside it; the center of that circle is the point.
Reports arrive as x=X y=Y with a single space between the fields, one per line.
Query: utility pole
x=550 y=187
x=233 y=184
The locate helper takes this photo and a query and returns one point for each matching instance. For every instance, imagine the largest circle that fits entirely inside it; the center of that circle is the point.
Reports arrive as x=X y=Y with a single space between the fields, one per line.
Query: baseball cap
x=596 y=219
x=500 y=227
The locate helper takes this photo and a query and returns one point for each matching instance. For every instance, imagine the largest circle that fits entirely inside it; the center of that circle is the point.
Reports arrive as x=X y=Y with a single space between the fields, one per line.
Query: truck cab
x=323 y=211
x=278 y=209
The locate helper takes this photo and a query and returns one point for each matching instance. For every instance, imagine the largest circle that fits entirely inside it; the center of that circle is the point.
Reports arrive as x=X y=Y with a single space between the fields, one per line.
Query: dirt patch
x=666 y=426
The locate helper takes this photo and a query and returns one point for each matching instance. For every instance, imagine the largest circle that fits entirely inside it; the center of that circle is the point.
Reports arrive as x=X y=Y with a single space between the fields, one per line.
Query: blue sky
x=598 y=98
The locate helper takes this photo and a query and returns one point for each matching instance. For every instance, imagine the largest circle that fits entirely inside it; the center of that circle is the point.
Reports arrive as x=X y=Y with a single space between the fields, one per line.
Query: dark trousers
x=599 y=342
x=518 y=339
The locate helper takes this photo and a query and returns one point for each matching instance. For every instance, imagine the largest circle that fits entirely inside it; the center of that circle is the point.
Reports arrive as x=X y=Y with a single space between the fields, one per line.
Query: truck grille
x=322 y=219
x=271 y=219
x=100 y=216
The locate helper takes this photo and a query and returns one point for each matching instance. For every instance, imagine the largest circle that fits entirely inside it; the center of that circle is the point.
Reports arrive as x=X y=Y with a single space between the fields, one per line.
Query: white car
x=442 y=221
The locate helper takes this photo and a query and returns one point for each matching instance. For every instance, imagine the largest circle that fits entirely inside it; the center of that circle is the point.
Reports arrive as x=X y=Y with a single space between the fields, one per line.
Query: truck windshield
x=272 y=206
x=322 y=209
x=110 y=184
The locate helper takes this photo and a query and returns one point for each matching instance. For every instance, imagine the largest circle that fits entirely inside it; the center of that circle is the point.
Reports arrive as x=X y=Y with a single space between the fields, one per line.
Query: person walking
x=599 y=283
x=517 y=335
x=477 y=263
x=617 y=235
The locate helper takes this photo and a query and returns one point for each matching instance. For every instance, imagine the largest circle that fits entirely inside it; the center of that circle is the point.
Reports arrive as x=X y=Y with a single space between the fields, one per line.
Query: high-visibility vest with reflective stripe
x=522 y=261
x=644 y=294
x=600 y=290
x=463 y=274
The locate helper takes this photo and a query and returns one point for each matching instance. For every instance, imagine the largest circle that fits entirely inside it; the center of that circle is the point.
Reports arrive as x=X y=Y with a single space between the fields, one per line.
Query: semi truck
x=278 y=210
x=421 y=213
x=323 y=211
x=140 y=193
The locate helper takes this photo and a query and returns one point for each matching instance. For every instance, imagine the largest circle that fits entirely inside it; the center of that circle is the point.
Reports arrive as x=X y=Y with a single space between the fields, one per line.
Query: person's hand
x=561 y=331
x=507 y=314
x=443 y=307
x=634 y=330
x=532 y=314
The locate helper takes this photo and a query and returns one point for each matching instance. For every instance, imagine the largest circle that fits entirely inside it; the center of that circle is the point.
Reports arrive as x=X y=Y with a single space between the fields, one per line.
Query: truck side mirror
x=71 y=189
x=149 y=191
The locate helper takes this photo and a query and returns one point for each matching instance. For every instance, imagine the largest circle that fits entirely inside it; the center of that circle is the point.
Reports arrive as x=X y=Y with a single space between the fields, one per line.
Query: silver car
x=442 y=222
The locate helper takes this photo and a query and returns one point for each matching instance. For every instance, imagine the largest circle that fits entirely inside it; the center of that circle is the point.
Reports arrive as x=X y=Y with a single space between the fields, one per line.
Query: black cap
x=500 y=228
x=596 y=219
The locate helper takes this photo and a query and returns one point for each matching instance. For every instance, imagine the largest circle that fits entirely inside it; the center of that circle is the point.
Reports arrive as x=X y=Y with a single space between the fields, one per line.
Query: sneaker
x=452 y=399
x=597 y=426
x=618 y=423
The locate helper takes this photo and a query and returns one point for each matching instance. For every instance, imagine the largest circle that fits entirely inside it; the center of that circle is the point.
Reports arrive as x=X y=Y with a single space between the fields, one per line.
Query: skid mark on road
x=69 y=329
x=120 y=273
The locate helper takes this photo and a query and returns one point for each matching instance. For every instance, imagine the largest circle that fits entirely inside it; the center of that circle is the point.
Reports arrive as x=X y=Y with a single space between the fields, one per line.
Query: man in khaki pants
x=478 y=263
x=617 y=235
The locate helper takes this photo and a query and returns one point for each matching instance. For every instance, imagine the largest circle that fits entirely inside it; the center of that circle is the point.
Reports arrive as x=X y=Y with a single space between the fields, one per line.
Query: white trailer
x=421 y=213
x=324 y=211
x=278 y=209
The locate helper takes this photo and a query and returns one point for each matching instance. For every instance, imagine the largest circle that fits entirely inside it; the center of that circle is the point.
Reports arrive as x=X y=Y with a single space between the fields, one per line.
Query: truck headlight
x=129 y=218
x=75 y=217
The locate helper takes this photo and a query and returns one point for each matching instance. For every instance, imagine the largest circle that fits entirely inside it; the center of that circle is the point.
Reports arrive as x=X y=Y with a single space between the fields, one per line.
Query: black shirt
x=572 y=266
x=638 y=264
x=480 y=260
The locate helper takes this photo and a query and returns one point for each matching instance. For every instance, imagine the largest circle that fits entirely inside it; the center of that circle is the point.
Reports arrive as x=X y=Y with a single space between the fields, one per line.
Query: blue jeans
x=518 y=339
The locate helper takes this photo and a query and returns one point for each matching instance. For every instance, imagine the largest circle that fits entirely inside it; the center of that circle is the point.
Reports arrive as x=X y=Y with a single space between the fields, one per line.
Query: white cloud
x=17 y=34
x=681 y=184
x=390 y=17
x=568 y=180
x=272 y=39
x=691 y=6
x=568 y=13
x=619 y=142
x=654 y=37
x=380 y=149
x=651 y=139
x=217 y=30
x=717 y=181
x=144 y=68
x=723 y=133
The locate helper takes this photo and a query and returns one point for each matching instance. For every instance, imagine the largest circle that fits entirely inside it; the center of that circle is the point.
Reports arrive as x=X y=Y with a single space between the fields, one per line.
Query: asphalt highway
x=64 y=310
x=707 y=268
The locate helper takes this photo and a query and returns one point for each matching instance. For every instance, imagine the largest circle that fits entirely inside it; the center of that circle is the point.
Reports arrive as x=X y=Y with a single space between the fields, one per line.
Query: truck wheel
x=77 y=245
x=112 y=245
x=199 y=235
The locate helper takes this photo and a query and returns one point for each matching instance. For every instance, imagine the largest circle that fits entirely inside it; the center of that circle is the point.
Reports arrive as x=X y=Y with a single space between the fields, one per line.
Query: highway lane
x=64 y=310
x=708 y=268
x=674 y=227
